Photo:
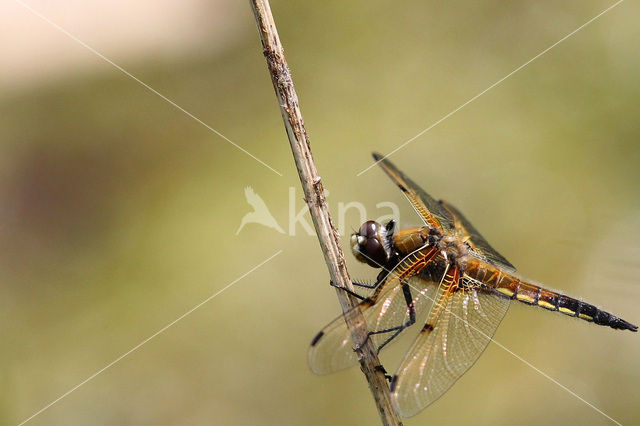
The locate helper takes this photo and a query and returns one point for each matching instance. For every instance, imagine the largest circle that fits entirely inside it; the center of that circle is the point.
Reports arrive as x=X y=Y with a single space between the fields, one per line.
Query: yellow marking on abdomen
x=505 y=291
x=566 y=311
x=525 y=298
x=546 y=305
x=585 y=317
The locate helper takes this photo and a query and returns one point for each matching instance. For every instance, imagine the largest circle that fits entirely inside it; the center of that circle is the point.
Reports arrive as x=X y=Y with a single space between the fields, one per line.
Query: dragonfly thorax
x=456 y=250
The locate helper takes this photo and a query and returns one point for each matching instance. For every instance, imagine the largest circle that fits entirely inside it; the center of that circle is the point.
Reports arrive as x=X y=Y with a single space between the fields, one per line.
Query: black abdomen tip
x=620 y=324
x=609 y=320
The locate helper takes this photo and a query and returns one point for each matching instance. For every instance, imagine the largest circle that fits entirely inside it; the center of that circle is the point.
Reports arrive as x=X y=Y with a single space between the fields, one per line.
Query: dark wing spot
x=318 y=337
x=428 y=328
x=367 y=303
x=392 y=385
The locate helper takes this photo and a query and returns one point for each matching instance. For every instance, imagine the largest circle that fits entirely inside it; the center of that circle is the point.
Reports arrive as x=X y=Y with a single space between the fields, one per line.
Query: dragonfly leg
x=365 y=285
x=406 y=290
x=351 y=292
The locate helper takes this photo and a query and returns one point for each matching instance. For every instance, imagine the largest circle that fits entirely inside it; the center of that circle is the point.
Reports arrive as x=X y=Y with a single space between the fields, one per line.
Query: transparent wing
x=332 y=348
x=481 y=248
x=441 y=356
x=443 y=216
x=424 y=204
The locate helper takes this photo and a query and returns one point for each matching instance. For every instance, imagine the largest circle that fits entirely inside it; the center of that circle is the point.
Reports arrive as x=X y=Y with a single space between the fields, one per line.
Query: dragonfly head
x=370 y=244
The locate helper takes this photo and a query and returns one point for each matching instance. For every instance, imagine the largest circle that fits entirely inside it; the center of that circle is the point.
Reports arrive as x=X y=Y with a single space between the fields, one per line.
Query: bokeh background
x=119 y=212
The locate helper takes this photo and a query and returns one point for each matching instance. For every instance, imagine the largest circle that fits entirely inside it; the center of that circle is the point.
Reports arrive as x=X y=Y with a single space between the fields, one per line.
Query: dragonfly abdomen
x=572 y=307
x=509 y=285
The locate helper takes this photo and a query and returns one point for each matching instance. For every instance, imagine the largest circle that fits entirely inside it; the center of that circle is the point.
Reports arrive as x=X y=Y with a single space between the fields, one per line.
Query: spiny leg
x=351 y=292
x=379 y=281
x=365 y=285
x=356 y=283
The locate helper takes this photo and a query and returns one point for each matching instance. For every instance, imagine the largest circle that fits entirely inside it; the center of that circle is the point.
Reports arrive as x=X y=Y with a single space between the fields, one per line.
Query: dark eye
x=375 y=254
x=368 y=246
x=369 y=229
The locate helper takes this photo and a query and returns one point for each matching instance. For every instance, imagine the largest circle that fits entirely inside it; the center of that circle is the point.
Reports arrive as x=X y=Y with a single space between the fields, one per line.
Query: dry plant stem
x=315 y=198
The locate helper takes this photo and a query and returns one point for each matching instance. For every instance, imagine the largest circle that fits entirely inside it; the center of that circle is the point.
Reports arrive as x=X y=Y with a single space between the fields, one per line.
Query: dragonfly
x=446 y=273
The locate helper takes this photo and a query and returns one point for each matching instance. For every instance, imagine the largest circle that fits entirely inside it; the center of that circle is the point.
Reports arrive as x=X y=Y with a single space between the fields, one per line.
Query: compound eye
x=369 y=229
x=367 y=244
x=376 y=256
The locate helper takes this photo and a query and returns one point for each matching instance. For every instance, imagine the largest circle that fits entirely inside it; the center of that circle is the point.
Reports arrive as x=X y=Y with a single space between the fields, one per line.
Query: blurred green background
x=119 y=212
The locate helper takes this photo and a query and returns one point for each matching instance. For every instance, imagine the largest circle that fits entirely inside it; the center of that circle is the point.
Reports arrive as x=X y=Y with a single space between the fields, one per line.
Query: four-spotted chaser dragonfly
x=449 y=272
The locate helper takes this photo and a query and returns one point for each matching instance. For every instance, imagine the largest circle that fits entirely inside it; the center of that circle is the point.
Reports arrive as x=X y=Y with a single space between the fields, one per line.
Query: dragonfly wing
x=438 y=357
x=443 y=216
x=480 y=247
x=430 y=210
x=332 y=348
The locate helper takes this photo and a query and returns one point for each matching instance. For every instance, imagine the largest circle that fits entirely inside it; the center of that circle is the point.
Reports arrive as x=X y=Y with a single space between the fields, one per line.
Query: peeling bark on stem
x=315 y=198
